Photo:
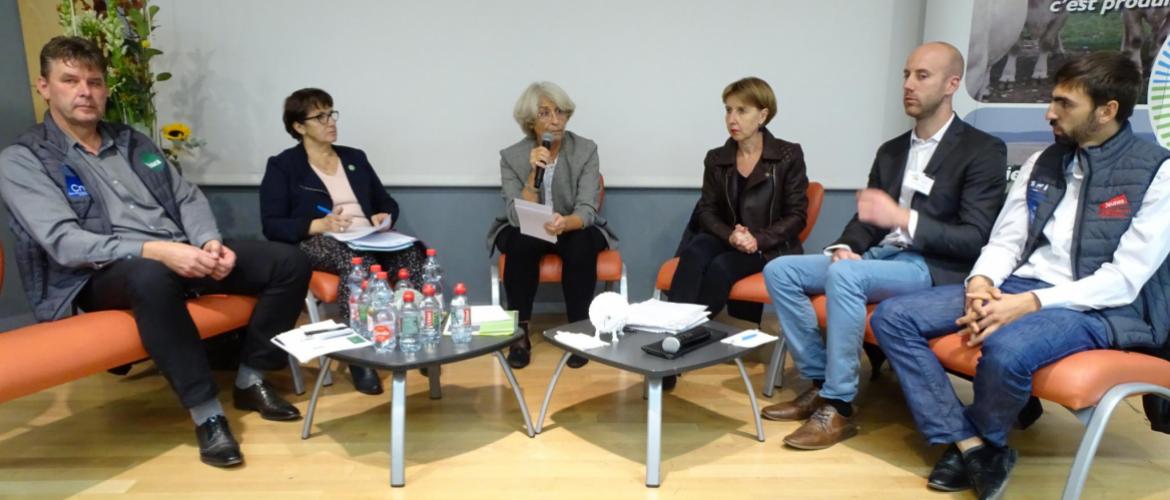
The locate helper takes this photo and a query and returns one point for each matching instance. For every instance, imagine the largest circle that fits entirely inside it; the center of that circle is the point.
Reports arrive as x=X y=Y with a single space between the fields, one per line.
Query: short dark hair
x=1105 y=76
x=298 y=105
x=72 y=48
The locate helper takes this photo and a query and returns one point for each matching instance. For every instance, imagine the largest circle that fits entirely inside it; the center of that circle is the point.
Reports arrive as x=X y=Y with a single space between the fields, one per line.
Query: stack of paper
x=580 y=341
x=665 y=317
x=374 y=238
x=317 y=339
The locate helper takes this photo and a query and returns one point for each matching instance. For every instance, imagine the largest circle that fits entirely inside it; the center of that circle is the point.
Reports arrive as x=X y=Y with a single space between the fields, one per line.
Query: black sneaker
x=949 y=474
x=988 y=468
x=576 y=361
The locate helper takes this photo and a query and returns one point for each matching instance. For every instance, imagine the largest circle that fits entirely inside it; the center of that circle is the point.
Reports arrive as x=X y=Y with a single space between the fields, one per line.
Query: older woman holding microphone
x=555 y=167
x=316 y=187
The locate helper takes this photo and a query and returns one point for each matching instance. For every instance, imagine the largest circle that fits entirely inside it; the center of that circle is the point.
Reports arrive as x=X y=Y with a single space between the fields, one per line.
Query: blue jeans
x=1003 y=378
x=848 y=286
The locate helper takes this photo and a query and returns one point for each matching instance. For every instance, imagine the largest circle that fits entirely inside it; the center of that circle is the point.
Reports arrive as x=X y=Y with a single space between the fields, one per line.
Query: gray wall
x=16 y=114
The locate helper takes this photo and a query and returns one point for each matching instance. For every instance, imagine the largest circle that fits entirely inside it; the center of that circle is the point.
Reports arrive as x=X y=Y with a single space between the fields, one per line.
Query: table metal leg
x=751 y=397
x=433 y=373
x=397 y=428
x=548 y=393
x=313 y=399
x=517 y=391
x=654 y=432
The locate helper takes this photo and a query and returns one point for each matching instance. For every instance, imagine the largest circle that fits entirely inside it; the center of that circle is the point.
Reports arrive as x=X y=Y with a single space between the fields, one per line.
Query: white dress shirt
x=1142 y=249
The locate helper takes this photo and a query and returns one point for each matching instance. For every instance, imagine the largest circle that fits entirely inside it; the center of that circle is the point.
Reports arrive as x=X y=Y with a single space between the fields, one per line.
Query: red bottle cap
x=356 y=260
x=408 y=296
x=403 y=274
x=460 y=289
x=365 y=283
x=376 y=268
x=428 y=290
x=431 y=252
x=381 y=275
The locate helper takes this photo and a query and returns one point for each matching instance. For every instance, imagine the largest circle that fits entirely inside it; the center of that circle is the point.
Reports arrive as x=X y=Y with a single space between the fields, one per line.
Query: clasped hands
x=741 y=238
x=335 y=222
x=215 y=260
x=987 y=309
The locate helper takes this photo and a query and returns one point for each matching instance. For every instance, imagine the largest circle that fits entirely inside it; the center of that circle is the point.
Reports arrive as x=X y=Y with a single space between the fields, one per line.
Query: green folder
x=499 y=328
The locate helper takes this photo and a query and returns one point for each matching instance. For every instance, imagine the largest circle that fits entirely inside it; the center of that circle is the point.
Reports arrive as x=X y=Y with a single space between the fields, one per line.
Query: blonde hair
x=528 y=105
x=755 y=92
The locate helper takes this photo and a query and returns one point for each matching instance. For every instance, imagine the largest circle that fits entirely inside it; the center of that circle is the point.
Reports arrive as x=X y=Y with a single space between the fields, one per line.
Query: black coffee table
x=399 y=363
x=626 y=354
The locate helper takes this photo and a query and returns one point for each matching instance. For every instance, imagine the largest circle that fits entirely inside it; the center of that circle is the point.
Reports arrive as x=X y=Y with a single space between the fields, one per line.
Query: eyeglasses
x=546 y=113
x=323 y=118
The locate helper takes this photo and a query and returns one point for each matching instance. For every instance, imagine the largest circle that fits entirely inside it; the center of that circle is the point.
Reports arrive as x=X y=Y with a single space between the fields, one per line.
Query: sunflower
x=176 y=131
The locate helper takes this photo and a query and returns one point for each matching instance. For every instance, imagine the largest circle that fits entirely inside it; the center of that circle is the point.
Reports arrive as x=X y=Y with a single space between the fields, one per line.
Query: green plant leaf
x=162 y=77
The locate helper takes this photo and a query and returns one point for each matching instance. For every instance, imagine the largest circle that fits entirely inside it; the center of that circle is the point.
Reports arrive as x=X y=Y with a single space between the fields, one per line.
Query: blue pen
x=324 y=210
x=746 y=337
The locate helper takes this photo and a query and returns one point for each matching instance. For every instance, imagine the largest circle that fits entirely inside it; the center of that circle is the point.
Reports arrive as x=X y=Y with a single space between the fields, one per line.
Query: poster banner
x=1013 y=47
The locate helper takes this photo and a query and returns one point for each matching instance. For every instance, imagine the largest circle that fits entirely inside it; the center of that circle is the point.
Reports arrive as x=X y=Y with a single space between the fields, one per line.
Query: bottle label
x=382 y=333
x=429 y=318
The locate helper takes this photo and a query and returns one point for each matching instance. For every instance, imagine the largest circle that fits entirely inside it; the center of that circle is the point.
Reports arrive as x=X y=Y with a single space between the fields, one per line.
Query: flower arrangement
x=121 y=29
x=179 y=135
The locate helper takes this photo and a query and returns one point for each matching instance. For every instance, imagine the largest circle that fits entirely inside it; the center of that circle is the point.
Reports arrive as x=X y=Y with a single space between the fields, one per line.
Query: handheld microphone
x=670 y=345
x=546 y=141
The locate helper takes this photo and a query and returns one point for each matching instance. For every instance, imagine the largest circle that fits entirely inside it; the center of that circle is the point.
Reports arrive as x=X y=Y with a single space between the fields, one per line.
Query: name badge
x=919 y=182
x=74 y=188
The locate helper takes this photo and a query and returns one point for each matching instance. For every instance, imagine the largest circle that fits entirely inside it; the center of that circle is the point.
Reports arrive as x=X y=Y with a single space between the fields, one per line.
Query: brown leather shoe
x=798 y=409
x=824 y=428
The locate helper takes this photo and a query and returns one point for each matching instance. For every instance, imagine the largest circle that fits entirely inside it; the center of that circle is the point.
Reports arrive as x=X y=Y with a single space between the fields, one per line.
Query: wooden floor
x=127 y=436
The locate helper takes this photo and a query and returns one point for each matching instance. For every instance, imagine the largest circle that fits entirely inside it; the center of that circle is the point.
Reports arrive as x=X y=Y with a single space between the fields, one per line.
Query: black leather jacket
x=775 y=198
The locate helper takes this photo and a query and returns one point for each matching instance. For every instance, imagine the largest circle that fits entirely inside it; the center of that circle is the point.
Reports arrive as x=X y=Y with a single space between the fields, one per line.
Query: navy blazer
x=291 y=192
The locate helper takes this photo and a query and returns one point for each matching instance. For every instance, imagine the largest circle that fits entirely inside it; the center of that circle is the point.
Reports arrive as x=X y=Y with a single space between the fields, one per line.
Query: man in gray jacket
x=102 y=222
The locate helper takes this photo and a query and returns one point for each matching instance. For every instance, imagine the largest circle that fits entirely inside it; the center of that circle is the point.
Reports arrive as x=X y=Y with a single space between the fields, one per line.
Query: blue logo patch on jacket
x=74 y=188
x=1037 y=193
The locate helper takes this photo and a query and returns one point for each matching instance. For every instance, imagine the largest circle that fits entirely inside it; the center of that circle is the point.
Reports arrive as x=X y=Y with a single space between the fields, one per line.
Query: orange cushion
x=819 y=304
x=609 y=266
x=666 y=274
x=43 y=355
x=1078 y=381
x=750 y=289
x=324 y=286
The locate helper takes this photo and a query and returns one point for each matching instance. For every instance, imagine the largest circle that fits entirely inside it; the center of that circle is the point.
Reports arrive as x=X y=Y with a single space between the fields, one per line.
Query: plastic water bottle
x=353 y=285
x=433 y=274
x=383 y=320
x=460 y=317
x=402 y=286
x=432 y=315
x=359 y=305
x=408 y=324
x=374 y=270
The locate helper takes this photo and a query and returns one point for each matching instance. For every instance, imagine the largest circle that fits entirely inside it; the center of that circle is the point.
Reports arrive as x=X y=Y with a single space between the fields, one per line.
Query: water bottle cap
x=381 y=275
x=403 y=274
x=408 y=296
x=460 y=289
x=428 y=290
x=376 y=268
x=355 y=260
x=431 y=252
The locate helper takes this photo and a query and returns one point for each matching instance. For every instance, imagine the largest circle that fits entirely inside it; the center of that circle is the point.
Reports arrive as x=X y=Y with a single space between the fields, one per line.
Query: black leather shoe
x=518 y=357
x=217 y=446
x=669 y=381
x=365 y=380
x=988 y=469
x=264 y=399
x=576 y=361
x=949 y=474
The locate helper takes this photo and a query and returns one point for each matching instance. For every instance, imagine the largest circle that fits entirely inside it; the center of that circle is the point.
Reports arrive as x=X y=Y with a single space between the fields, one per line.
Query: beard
x=1079 y=134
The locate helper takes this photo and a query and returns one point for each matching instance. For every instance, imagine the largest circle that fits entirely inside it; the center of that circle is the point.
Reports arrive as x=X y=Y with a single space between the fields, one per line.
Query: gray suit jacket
x=576 y=188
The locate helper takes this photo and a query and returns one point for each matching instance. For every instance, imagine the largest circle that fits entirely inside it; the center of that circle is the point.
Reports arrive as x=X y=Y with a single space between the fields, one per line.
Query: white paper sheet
x=533 y=217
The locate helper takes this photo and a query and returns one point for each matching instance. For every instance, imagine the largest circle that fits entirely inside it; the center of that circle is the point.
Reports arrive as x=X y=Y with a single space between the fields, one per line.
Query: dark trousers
x=276 y=273
x=707 y=269
x=578 y=250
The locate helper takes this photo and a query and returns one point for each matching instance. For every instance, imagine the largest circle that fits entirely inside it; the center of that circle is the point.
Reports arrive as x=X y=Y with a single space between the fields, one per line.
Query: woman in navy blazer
x=315 y=173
